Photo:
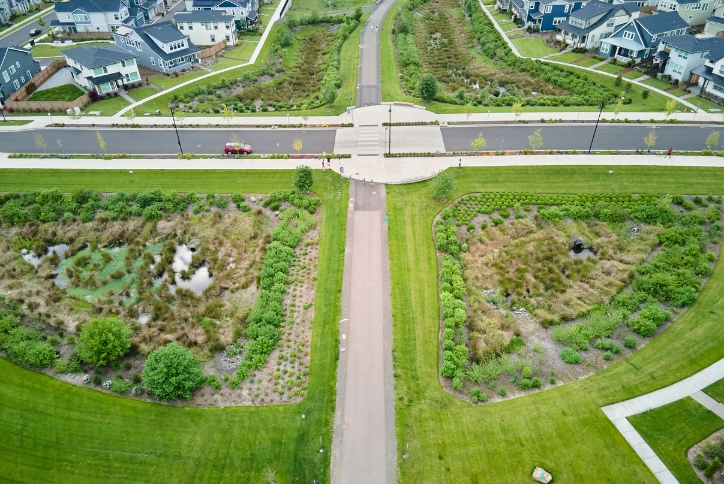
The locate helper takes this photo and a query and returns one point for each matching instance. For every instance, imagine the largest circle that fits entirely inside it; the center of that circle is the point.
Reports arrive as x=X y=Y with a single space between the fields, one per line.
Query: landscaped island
x=94 y=283
x=538 y=290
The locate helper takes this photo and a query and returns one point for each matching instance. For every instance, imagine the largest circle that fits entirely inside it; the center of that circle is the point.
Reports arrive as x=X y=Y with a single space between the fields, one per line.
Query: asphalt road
x=21 y=35
x=370 y=72
x=163 y=141
x=578 y=137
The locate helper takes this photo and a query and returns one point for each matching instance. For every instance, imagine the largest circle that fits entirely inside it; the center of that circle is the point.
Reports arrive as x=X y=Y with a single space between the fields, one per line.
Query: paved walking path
x=618 y=413
x=364 y=447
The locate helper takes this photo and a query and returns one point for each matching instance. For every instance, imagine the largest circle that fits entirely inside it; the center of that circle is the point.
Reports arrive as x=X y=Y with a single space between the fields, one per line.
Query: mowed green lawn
x=670 y=431
x=563 y=430
x=532 y=47
x=66 y=92
x=55 y=432
x=716 y=391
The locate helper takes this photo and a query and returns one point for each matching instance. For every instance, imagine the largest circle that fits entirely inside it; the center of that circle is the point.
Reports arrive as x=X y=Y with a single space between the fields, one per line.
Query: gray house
x=245 y=12
x=639 y=39
x=680 y=54
x=10 y=8
x=587 y=27
x=17 y=67
x=160 y=46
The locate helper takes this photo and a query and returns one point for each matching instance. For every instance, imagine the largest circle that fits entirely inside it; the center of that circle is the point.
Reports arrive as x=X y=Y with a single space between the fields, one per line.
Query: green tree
x=41 y=22
x=617 y=108
x=618 y=80
x=645 y=93
x=479 y=143
x=329 y=94
x=171 y=373
x=428 y=87
x=357 y=14
x=286 y=37
x=535 y=140
x=712 y=140
x=227 y=113
x=670 y=107
x=103 y=340
x=40 y=142
x=443 y=185
x=303 y=178
x=131 y=115
x=650 y=139
x=101 y=141
x=297 y=144
x=517 y=110
x=468 y=110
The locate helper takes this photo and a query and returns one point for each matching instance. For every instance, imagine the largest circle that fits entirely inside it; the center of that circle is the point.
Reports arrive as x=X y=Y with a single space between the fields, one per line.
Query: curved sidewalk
x=618 y=413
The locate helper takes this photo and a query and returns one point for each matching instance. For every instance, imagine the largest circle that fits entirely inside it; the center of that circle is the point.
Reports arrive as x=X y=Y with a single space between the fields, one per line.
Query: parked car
x=237 y=149
x=35 y=32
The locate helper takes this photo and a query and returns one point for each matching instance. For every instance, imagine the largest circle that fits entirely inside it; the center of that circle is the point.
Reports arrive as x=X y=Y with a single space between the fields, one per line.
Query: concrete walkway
x=364 y=446
x=618 y=413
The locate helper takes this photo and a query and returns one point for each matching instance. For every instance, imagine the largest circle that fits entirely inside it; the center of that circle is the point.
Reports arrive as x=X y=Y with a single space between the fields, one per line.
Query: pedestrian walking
x=668 y=153
x=329 y=164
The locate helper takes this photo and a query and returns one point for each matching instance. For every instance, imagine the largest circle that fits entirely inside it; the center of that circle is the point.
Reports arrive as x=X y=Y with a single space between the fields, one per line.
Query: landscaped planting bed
x=232 y=279
x=522 y=310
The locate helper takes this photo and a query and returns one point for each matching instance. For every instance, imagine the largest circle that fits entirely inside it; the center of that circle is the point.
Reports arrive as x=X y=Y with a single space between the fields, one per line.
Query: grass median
x=562 y=430
x=61 y=433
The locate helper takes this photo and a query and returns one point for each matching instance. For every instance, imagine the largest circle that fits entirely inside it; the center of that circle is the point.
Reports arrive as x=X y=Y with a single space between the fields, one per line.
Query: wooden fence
x=212 y=50
x=89 y=36
x=16 y=102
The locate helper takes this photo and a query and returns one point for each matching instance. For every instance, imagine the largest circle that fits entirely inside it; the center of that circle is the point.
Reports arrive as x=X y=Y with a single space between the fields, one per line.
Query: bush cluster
x=22 y=344
x=454 y=310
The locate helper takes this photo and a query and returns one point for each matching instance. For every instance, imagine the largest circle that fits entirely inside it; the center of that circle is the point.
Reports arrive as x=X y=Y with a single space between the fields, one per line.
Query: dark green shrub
x=103 y=340
x=303 y=178
x=213 y=381
x=171 y=372
x=525 y=384
x=700 y=462
x=535 y=383
x=712 y=468
x=552 y=380
x=498 y=221
x=119 y=385
x=608 y=356
x=505 y=213
x=502 y=391
x=629 y=342
x=571 y=356
x=477 y=395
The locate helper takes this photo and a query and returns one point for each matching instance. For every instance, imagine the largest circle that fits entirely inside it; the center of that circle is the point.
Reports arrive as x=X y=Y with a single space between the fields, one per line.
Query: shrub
x=535 y=383
x=103 y=340
x=713 y=450
x=525 y=384
x=214 y=382
x=443 y=185
x=119 y=385
x=629 y=342
x=571 y=356
x=527 y=372
x=477 y=395
x=502 y=391
x=427 y=87
x=303 y=178
x=608 y=356
x=552 y=380
x=712 y=468
x=498 y=221
x=700 y=462
x=171 y=372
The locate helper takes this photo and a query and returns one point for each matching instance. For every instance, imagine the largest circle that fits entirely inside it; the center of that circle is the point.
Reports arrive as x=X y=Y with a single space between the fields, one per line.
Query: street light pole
x=600 y=110
x=389 y=151
x=177 y=136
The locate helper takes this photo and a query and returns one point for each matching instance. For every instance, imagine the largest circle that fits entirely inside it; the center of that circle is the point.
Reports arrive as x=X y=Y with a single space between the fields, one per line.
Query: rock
x=252 y=199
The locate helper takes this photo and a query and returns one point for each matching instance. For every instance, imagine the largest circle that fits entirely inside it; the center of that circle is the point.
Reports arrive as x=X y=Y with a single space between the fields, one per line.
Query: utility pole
x=177 y=136
x=600 y=110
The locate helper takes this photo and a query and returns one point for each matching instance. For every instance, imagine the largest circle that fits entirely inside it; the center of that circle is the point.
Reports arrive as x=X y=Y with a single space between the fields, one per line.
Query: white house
x=245 y=12
x=710 y=76
x=105 y=69
x=715 y=23
x=694 y=12
x=585 y=28
x=206 y=27
x=160 y=46
x=678 y=55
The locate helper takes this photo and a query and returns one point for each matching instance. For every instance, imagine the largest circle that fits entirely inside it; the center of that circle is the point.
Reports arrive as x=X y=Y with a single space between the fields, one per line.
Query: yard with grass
x=436 y=426
x=568 y=57
x=15 y=122
x=303 y=8
x=670 y=430
x=141 y=93
x=610 y=68
x=533 y=47
x=632 y=75
x=587 y=62
x=166 y=82
x=716 y=391
x=236 y=56
x=53 y=50
x=66 y=92
x=109 y=106
x=169 y=442
x=705 y=104
x=658 y=84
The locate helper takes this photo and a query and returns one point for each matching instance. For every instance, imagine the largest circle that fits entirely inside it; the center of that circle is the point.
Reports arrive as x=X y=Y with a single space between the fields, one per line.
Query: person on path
x=329 y=163
x=668 y=153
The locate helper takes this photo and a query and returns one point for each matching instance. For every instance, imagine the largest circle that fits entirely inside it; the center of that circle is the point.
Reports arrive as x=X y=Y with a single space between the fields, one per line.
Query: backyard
x=289 y=447
x=66 y=92
x=430 y=421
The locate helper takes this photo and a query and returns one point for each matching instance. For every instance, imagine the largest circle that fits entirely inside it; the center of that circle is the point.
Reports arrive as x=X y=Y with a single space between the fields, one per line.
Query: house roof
x=715 y=20
x=630 y=44
x=662 y=22
x=518 y=3
x=690 y=43
x=143 y=34
x=89 y=5
x=708 y=73
x=203 y=16
x=162 y=31
x=607 y=14
x=92 y=56
x=716 y=54
x=114 y=76
x=595 y=8
x=4 y=52
x=686 y=2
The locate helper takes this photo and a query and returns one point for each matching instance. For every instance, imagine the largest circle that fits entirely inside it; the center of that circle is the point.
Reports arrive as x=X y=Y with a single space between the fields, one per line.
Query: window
x=682 y=53
x=212 y=38
x=22 y=79
x=6 y=76
x=549 y=9
x=559 y=20
x=152 y=62
x=80 y=17
x=191 y=26
x=628 y=35
x=677 y=68
x=127 y=62
x=605 y=48
x=106 y=86
x=180 y=26
x=208 y=25
x=133 y=76
x=696 y=7
x=226 y=26
x=100 y=70
x=160 y=62
x=115 y=16
x=610 y=22
x=593 y=37
x=721 y=69
x=228 y=38
x=565 y=9
x=16 y=84
x=11 y=69
x=17 y=64
x=690 y=17
x=705 y=6
x=532 y=6
x=30 y=76
x=216 y=25
x=718 y=88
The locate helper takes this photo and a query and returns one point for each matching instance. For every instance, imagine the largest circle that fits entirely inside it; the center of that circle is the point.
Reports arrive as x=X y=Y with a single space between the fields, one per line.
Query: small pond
x=35 y=260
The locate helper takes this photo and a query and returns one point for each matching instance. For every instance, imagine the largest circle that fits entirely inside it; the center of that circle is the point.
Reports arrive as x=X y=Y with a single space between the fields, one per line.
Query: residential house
x=680 y=54
x=585 y=28
x=639 y=39
x=103 y=69
x=160 y=46
x=245 y=12
x=105 y=15
x=17 y=67
x=715 y=23
x=710 y=76
x=544 y=14
x=694 y=12
x=206 y=27
x=11 y=8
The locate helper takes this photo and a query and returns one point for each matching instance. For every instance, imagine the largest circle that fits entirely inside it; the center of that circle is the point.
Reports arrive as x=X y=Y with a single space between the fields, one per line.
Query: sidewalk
x=377 y=168
x=618 y=413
